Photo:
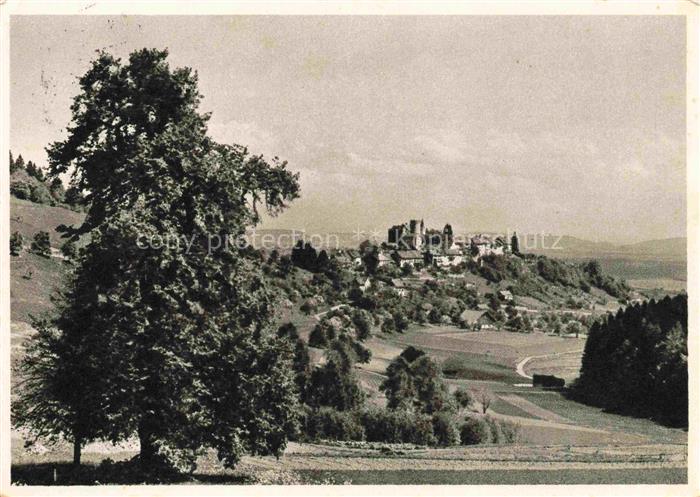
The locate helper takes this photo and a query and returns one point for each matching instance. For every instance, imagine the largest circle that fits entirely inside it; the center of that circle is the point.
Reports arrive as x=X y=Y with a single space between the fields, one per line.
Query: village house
x=482 y=245
x=384 y=260
x=470 y=318
x=362 y=284
x=413 y=257
x=415 y=244
x=476 y=319
x=505 y=295
x=486 y=322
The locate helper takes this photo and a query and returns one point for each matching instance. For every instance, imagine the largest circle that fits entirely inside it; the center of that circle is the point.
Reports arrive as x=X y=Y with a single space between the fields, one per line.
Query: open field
x=488 y=360
x=671 y=285
x=484 y=355
x=631 y=476
x=561 y=441
x=564 y=365
x=365 y=463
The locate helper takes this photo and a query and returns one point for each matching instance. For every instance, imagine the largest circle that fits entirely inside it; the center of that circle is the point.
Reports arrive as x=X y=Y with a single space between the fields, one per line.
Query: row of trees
x=29 y=167
x=637 y=361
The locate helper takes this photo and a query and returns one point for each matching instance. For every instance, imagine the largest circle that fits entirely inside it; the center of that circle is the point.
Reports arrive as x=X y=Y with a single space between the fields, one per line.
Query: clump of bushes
x=327 y=423
x=474 y=431
x=397 y=426
x=486 y=429
x=16 y=243
x=445 y=429
x=41 y=245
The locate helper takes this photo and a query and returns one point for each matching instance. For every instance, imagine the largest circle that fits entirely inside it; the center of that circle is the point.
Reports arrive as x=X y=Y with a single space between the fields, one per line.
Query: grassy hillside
x=33 y=279
x=29 y=218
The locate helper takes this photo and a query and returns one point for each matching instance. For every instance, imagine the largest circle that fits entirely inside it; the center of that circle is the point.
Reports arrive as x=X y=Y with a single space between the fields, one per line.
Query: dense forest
x=636 y=362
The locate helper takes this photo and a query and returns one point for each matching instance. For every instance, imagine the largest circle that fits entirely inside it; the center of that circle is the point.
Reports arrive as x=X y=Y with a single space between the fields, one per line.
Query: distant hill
x=666 y=247
x=569 y=245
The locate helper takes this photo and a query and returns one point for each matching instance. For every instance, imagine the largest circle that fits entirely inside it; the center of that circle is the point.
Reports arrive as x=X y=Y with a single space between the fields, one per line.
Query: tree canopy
x=183 y=318
x=637 y=361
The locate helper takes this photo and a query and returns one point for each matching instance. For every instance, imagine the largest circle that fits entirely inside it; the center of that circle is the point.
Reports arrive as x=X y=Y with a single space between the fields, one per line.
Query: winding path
x=520 y=367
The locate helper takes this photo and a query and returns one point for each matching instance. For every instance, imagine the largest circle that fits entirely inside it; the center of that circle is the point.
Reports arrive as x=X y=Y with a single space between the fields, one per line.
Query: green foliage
x=187 y=356
x=595 y=277
x=16 y=165
x=305 y=256
x=474 y=431
x=494 y=267
x=400 y=322
x=302 y=360
x=462 y=397
x=370 y=258
x=414 y=381
x=16 y=243
x=486 y=429
x=28 y=182
x=445 y=429
x=69 y=249
x=515 y=244
x=636 y=361
x=397 y=426
x=334 y=384
x=32 y=191
x=510 y=431
x=41 y=244
x=496 y=435
x=327 y=423
x=35 y=171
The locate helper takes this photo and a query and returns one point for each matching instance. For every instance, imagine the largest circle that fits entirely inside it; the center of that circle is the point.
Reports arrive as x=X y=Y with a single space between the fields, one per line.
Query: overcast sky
x=569 y=125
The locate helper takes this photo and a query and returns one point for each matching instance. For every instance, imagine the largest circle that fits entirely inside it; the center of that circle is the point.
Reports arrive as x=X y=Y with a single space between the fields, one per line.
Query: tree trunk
x=148 y=451
x=77 y=447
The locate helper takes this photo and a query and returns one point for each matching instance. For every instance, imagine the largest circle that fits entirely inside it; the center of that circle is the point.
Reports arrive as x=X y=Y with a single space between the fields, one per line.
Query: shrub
x=318 y=338
x=397 y=426
x=363 y=326
x=510 y=431
x=445 y=429
x=308 y=307
x=329 y=424
x=474 y=431
x=41 y=244
x=334 y=385
x=21 y=190
x=400 y=322
x=494 y=429
x=389 y=325
x=69 y=249
x=16 y=243
x=463 y=397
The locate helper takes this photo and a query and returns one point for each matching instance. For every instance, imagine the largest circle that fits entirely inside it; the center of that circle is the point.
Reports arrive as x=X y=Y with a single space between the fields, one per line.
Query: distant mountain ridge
x=538 y=244
x=669 y=247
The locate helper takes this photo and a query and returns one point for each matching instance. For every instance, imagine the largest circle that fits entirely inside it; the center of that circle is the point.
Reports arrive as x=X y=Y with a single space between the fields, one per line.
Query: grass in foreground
x=647 y=476
x=64 y=474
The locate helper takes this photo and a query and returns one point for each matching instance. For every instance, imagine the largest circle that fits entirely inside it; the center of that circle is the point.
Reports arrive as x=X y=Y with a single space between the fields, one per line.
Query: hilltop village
x=424 y=275
x=411 y=243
